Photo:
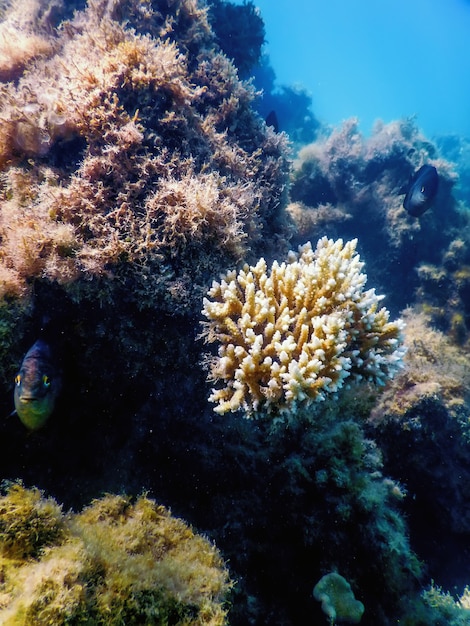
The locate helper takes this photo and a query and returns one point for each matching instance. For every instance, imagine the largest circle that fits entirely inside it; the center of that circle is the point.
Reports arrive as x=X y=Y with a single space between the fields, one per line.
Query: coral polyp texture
x=294 y=334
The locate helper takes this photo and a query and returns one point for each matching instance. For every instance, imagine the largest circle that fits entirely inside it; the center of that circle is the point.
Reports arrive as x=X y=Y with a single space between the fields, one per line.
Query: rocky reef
x=131 y=152
x=349 y=186
x=114 y=563
x=133 y=171
x=134 y=174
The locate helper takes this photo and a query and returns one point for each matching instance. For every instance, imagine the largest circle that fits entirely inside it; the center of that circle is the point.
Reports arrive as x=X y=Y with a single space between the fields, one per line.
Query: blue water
x=375 y=59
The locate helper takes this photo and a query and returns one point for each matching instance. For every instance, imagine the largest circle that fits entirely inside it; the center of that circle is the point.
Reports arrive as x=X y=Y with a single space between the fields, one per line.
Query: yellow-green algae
x=116 y=563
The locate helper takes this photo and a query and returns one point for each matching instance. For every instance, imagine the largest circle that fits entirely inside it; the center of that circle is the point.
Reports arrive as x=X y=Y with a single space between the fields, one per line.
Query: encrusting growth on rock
x=113 y=563
x=293 y=335
x=132 y=152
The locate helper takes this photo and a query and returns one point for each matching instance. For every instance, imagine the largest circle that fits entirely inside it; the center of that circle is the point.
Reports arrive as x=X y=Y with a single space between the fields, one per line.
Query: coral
x=436 y=607
x=293 y=335
x=114 y=563
x=133 y=171
x=464 y=600
x=337 y=598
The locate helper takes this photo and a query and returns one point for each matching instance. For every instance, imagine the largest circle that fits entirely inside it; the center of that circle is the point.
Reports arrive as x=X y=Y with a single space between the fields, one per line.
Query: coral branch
x=294 y=335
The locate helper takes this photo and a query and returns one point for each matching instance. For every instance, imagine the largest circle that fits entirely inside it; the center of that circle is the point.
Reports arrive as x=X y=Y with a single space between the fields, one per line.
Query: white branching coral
x=293 y=335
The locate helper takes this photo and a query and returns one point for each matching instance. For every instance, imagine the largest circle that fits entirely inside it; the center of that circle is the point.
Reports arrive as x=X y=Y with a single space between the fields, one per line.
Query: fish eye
x=18 y=380
x=46 y=381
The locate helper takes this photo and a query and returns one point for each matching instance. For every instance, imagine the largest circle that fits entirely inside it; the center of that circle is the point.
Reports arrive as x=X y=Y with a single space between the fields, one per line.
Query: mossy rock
x=115 y=563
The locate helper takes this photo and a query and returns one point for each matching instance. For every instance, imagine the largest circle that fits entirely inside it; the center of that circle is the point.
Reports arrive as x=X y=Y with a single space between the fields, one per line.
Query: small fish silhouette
x=271 y=120
x=421 y=190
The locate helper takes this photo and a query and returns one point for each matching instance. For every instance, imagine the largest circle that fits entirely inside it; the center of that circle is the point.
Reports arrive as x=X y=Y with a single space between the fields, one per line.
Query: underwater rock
x=421 y=425
x=134 y=170
x=137 y=563
x=239 y=31
x=148 y=164
x=346 y=185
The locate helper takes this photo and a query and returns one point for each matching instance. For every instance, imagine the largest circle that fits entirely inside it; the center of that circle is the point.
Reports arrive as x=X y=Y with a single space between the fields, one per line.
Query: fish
x=421 y=190
x=37 y=386
x=271 y=120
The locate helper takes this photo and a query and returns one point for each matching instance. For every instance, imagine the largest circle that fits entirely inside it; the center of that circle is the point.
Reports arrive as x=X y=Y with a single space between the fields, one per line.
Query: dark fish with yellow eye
x=37 y=386
x=421 y=190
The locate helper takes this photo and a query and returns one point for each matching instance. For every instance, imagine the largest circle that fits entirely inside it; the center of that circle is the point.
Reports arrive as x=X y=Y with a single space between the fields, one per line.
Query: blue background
x=375 y=58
